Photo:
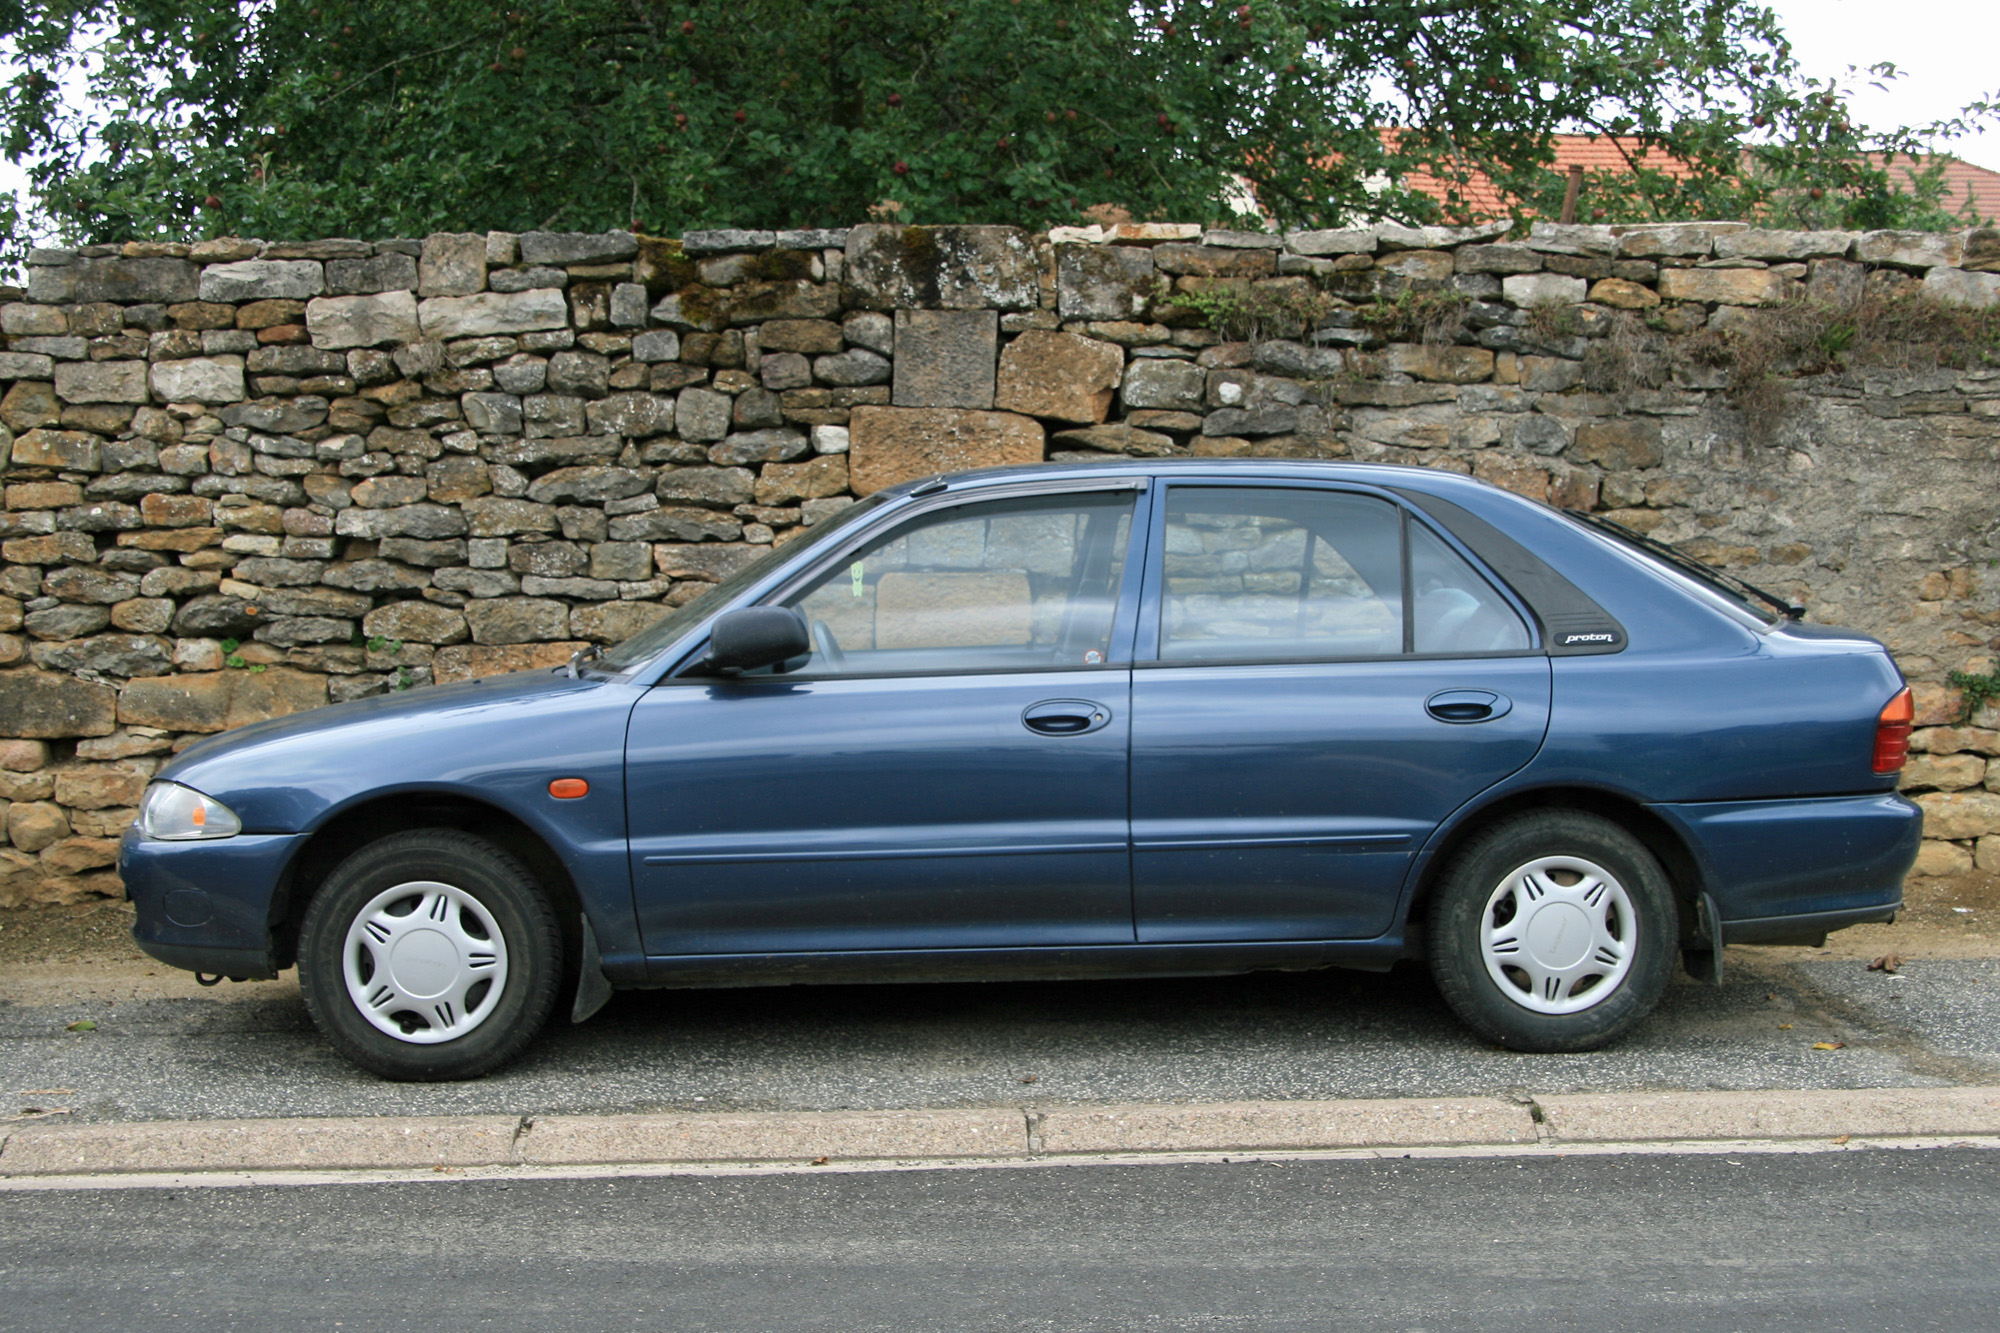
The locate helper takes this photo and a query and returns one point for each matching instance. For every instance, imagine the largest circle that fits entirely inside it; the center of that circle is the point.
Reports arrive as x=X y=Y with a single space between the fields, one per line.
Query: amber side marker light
x=1892 y=732
x=568 y=789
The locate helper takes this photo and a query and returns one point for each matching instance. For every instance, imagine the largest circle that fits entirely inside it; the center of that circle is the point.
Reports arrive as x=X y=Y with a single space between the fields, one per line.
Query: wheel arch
x=1659 y=837
x=379 y=817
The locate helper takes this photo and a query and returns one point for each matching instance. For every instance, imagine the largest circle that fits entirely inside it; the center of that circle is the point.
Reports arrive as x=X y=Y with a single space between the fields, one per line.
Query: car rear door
x=947 y=771
x=1322 y=678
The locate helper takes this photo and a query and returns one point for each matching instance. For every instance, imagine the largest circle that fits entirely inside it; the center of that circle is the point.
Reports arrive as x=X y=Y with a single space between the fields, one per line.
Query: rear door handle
x=1467 y=705
x=1065 y=717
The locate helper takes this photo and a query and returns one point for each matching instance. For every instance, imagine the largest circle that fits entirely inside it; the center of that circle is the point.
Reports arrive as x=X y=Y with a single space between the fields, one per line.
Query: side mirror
x=757 y=636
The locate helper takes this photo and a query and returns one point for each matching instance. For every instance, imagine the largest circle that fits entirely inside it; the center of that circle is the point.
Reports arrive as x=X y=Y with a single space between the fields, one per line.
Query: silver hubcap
x=425 y=962
x=1558 y=935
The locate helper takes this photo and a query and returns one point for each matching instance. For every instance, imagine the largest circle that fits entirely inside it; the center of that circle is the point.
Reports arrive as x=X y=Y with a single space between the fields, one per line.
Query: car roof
x=1431 y=481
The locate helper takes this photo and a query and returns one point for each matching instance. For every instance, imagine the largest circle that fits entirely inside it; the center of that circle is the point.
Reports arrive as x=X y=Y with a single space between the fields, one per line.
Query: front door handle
x=1065 y=717
x=1467 y=705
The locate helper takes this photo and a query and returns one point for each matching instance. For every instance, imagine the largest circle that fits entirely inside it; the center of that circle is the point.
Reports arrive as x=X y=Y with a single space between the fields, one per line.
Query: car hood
x=276 y=773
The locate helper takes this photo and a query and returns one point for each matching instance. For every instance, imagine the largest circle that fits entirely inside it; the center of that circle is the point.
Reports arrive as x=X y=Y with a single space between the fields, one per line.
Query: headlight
x=174 y=813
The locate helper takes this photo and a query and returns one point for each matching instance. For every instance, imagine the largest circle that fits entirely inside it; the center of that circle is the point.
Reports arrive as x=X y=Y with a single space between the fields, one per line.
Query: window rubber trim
x=1572 y=624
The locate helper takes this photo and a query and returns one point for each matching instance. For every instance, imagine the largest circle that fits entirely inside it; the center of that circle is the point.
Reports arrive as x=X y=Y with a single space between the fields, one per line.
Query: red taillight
x=1892 y=732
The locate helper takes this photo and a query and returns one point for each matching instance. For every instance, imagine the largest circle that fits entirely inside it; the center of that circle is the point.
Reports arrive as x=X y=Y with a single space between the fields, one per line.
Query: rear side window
x=1267 y=573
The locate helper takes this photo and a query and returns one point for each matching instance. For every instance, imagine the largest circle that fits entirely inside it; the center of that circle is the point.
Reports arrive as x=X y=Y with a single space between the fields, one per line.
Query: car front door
x=1322 y=679
x=947 y=770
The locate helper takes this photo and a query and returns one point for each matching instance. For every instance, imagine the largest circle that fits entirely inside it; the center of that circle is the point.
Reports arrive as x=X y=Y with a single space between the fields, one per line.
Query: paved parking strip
x=1264 y=1038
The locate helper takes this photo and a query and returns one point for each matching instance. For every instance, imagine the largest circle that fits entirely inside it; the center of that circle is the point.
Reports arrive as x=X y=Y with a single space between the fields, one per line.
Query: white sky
x=1946 y=50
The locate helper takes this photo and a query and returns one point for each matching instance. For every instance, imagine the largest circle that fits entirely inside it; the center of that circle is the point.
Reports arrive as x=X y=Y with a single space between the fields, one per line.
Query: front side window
x=1001 y=585
x=1268 y=573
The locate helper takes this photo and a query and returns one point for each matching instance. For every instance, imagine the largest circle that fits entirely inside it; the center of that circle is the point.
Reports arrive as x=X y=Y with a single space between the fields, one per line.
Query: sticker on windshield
x=854 y=579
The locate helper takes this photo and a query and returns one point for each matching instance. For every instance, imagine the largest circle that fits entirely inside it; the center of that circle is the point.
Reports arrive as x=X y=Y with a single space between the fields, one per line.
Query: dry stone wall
x=247 y=478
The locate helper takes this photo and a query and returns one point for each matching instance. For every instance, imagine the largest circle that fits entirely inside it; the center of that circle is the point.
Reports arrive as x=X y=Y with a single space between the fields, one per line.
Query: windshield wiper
x=1687 y=564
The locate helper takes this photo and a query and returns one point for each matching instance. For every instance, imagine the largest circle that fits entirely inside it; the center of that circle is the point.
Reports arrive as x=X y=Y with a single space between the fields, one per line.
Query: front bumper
x=208 y=906
x=1782 y=871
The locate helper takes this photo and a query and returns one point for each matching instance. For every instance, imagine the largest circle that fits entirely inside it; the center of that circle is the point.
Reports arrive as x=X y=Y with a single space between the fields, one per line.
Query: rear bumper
x=1795 y=869
x=207 y=906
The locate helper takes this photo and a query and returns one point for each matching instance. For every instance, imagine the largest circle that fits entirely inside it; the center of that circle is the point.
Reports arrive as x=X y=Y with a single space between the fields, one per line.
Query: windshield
x=663 y=633
x=1767 y=607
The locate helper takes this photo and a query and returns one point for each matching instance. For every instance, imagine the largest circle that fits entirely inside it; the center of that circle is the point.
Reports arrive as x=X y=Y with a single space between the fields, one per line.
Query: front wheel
x=429 y=955
x=1553 y=931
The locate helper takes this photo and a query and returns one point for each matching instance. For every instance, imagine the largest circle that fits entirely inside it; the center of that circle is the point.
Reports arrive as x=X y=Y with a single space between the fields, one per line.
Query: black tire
x=507 y=896
x=1505 y=1010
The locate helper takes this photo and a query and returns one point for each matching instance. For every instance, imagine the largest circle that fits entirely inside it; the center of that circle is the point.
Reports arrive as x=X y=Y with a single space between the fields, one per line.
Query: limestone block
x=215 y=700
x=100 y=786
x=1446 y=365
x=1941 y=860
x=857 y=366
x=417 y=621
x=1118 y=437
x=1396 y=236
x=261 y=279
x=1759 y=243
x=386 y=318
x=1623 y=295
x=1955 y=285
x=895 y=444
x=588 y=485
x=1103 y=281
x=702 y=414
x=719 y=486
x=759 y=446
x=22 y=756
x=1568 y=239
x=812 y=337
x=511 y=620
x=1946 y=772
x=113 y=278
x=613 y=622
x=944 y=358
x=1619 y=445
x=1500 y=259
x=1909 y=249
x=1418 y=265
x=577 y=247
x=24 y=319
x=789 y=483
x=472 y=662
x=1059 y=375
x=1959 y=815
x=101 y=381
x=493 y=413
x=950 y=268
x=1723 y=286
x=33 y=825
x=1679 y=240
x=657 y=345
x=1531 y=289
x=25 y=366
x=1280 y=357
x=199 y=379
x=1346 y=241
x=487 y=313
x=52 y=706
x=72 y=450
x=452 y=264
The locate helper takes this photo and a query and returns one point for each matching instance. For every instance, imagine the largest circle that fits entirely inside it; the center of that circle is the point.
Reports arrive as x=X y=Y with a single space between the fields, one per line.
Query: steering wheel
x=826 y=647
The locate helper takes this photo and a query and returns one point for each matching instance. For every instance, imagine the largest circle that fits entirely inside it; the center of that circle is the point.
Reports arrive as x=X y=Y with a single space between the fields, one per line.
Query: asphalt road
x=1318 y=1035
x=1831 y=1241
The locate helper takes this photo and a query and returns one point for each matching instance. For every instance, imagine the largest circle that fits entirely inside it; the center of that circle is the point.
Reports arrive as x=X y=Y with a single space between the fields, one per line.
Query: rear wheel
x=429 y=955
x=1553 y=931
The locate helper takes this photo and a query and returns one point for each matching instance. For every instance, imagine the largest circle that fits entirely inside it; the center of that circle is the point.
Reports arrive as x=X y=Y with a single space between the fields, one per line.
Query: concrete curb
x=997 y=1134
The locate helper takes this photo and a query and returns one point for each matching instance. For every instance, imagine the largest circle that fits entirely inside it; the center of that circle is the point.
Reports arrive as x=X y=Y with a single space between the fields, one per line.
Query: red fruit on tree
x=496 y=67
x=1165 y=123
x=1759 y=121
x=211 y=202
x=901 y=168
x=681 y=120
x=895 y=99
x=519 y=53
x=742 y=116
x=1243 y=11
x=1816 y=192
x=1070 y=114
x=688 y=27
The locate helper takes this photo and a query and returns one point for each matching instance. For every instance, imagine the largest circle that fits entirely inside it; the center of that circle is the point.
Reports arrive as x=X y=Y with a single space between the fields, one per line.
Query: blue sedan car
x=1168 y=718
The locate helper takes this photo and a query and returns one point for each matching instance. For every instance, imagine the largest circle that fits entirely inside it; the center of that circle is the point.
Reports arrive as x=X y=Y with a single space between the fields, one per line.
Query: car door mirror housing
x=757 y=636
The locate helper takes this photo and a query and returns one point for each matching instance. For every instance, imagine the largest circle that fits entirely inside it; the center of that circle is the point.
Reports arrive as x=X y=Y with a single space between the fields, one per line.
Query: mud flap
x=592 y=990
x=1703 y=957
